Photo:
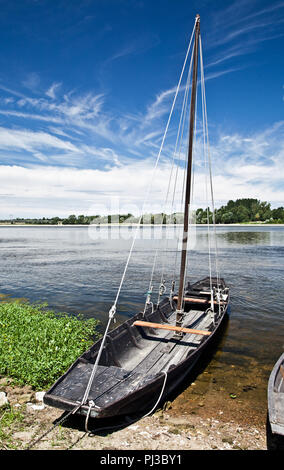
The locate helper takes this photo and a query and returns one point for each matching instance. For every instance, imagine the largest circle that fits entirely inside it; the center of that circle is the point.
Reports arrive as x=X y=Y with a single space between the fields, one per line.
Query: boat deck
x=159 y=347
x=156 y=351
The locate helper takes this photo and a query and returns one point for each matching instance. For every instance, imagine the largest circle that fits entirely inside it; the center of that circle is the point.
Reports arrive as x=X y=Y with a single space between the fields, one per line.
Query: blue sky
x=86 y=88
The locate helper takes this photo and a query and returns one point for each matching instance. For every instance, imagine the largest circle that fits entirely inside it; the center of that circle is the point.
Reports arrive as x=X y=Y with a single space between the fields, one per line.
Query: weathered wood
x=275 y=397
x=170 y=327
x=140 y=377
x=199 y=301
x=282 y=371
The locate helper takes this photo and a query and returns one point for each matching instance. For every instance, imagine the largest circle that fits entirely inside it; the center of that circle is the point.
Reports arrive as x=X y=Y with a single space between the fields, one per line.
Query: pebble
x=34 y=407
x=39 y=396
x=3 y=399
x=144 y=433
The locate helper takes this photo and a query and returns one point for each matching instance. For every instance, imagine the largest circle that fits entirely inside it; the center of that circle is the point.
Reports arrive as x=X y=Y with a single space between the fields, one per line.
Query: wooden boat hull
x=137 y=363
x=276 y=397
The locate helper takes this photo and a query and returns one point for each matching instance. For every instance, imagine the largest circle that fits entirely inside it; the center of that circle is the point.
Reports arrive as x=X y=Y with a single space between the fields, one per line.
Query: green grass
x=38 y=345
x=9 y=418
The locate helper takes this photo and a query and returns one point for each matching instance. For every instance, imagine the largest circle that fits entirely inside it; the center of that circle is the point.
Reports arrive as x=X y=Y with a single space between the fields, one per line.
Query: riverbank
x=219 y=408
x=214 y=411
x=245 y=224
x=169 y=428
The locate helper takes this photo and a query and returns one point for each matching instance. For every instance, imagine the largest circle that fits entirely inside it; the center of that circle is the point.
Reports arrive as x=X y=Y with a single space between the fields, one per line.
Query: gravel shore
x=166 y=429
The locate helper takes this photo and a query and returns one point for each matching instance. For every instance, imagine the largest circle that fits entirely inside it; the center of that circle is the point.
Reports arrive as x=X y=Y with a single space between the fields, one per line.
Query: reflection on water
x=74 y=272
x=247 y=238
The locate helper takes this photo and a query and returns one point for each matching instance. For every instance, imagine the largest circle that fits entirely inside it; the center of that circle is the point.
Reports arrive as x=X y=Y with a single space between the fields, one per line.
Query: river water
x=78 y=269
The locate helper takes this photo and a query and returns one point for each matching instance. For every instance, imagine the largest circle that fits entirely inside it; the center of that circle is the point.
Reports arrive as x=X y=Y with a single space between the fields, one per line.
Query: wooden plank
x=188 y=343
x=198 y=301
x=170 y=327
x=157 y=355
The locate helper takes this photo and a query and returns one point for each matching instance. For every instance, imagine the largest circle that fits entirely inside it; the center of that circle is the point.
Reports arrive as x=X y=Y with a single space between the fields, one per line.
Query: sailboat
x=136 y=365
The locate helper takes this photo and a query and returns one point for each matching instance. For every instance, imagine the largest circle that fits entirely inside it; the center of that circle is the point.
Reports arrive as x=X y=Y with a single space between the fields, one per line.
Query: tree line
x=240 y=211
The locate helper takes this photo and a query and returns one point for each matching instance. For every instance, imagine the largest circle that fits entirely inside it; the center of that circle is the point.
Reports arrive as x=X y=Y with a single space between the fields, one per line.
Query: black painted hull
x=124 y=384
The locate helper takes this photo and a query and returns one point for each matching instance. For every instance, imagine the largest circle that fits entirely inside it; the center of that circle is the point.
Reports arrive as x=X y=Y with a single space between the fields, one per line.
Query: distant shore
x=254 y=224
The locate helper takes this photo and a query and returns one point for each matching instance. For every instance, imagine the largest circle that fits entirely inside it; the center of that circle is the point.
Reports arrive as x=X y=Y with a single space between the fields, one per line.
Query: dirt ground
x=210 y=426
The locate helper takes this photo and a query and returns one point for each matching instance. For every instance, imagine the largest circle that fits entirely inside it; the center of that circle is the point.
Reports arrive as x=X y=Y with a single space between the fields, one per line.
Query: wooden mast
x=179 y=312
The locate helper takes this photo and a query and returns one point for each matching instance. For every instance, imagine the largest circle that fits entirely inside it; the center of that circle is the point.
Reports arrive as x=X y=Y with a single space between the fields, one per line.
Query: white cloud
x=86 y=107
x=99 y=145
x=138 y=135
x=243 y=166
x=28 y=140
x=159 y=107
x=51 y=91
x=36 y=117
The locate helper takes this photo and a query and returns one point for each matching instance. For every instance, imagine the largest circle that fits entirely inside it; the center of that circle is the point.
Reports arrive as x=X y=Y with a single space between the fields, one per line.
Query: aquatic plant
x=37 y=345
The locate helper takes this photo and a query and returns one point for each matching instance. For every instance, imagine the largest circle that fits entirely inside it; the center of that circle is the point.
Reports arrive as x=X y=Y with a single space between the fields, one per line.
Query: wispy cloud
x=31 y=81
x=244 y=165
x=160 y=105
x=36 y=117
x=12 y=92
x=230 y=53
x=249 y=164
x=240 y=29
x=86 y=107
x=31 y=141
x=52 y=89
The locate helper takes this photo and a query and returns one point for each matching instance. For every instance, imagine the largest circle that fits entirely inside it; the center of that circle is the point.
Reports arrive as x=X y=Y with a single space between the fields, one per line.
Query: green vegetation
x=9 y=418
x=243 y=211
x=71 y=220
x=239 y=211
x=38 y=345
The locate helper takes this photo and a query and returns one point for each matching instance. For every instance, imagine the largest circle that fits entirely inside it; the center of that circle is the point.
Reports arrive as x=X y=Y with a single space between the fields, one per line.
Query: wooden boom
x=170 y=327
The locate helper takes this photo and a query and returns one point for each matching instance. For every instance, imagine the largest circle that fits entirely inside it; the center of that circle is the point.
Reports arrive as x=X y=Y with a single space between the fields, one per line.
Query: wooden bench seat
x=162 y=326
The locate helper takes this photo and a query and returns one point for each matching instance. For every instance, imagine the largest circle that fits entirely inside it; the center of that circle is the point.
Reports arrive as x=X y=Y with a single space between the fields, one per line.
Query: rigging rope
x=207 y=161
x=156 y=164
x=33 y=442
x=177 y=144
x=148 y=298
x=144 y=416
x=205 y=124
x=191 y=196
x=204 y=109
x=206 y=170
x=112 y=311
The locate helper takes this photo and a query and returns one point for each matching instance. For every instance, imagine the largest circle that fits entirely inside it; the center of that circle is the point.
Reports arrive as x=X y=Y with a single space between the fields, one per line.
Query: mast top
x=197 y=18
